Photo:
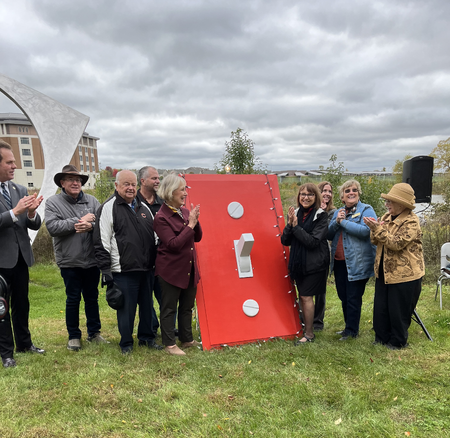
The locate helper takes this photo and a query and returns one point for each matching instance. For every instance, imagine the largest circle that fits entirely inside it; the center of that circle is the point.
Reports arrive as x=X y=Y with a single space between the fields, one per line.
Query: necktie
x=6 y=195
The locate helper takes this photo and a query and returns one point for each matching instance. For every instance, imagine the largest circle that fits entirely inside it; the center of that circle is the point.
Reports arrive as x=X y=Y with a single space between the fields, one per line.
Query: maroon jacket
x=176 y=250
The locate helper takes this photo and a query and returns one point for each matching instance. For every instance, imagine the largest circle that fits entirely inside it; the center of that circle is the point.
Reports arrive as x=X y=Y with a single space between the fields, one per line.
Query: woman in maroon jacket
x=176 y=262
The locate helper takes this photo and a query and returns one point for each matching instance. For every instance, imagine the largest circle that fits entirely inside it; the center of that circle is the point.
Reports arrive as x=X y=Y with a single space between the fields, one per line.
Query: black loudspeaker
x=418 y=173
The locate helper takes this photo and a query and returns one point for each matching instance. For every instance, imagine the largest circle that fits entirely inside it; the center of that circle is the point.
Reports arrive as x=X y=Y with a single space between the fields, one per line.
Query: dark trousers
x=393 y=306
x=157 y=295
x=81 y=282
x=185 y=299
x=350 y=293
x=17 y=279
x=137 y=289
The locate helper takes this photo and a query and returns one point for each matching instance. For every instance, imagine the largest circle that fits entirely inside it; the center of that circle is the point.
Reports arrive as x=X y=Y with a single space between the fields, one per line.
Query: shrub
x=43 y=247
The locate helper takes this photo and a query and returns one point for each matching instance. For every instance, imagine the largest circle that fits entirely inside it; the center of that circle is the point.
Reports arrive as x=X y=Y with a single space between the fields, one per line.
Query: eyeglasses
x=307 y=195
x=73 y=180
x=351 y=191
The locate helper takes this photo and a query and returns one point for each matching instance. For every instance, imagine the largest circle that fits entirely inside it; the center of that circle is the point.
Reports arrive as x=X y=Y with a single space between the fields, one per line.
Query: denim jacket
x=359 y=251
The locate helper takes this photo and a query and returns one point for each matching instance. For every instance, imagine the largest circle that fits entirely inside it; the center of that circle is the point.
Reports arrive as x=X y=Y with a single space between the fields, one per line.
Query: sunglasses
x=351 y=191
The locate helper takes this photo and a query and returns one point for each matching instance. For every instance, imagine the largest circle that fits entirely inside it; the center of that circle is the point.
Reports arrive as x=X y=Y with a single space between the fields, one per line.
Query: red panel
x=221 y=293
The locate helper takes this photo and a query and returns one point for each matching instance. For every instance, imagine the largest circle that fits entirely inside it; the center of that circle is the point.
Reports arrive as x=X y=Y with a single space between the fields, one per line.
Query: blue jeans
x=81 y=282
x=350 y=293
x=137 y=289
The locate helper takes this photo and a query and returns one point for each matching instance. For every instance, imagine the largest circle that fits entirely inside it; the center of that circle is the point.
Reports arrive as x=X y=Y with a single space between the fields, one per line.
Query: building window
x=27 y=163
x=26 y=152
x=91 y=142
x=93 y=160
x=81 y=158
x=81 y=167
x=30 y=184
x=80 y=149
x=24 y=140
x=29 y=173
x=87 y=167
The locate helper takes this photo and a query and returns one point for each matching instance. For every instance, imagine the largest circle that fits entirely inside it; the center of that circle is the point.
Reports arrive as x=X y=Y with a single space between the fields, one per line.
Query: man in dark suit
x=17 y=214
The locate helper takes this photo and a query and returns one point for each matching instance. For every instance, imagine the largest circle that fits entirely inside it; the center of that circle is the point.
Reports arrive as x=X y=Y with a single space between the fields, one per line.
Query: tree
x=335 y=176
x=104 y=186
x=397 y=168
x=441 y=154
x=239 y=156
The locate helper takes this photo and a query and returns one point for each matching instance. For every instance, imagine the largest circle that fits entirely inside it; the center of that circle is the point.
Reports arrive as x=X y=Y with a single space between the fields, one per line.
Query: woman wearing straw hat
x=399 y=266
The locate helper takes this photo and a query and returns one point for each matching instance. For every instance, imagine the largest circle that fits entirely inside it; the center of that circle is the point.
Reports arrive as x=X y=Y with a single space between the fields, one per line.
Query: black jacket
x=124 y=240
x=315 y=253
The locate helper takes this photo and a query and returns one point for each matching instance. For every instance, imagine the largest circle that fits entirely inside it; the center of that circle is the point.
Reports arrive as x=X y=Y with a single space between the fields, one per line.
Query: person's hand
x=28 y=203
x=34 y=202
x=90 y=217
x=193 y=215
x=83 y=226
x=340 y=215
x=291 y=215
x=372 y=223
x=107 y=279
x=323 y=205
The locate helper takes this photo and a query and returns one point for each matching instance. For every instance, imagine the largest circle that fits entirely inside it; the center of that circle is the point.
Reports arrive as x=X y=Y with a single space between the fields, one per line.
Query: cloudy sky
x=165 y=82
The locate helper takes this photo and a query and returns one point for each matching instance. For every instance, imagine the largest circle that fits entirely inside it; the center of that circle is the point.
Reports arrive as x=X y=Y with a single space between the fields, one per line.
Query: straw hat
x=69 y=170
x=402 y=194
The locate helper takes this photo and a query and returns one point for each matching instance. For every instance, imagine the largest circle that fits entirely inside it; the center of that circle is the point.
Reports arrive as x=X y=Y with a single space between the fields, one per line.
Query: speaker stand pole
x=416 y=318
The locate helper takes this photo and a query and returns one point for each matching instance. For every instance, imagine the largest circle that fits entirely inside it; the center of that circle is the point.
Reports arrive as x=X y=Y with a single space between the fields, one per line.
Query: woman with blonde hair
x=352 y=254
x=176 y=264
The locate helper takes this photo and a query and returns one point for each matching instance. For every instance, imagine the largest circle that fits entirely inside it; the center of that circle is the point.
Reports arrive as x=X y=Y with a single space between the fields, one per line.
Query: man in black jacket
x=125 y=250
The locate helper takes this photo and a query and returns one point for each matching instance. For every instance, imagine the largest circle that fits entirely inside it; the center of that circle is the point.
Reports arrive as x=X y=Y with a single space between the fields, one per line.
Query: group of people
x=351 y=242
x=137 y=241
x=142 y=242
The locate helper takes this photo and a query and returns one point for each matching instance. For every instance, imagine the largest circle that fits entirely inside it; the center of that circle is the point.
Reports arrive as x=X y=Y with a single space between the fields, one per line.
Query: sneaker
x=173 y=349
x=127 y=350
x=74 y=344
x=97 y=338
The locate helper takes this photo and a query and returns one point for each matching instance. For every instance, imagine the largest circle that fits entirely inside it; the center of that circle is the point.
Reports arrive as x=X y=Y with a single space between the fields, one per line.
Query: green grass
x=271 y=389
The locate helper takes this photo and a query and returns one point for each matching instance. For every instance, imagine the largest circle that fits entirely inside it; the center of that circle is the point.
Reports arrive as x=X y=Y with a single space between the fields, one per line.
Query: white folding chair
x=445 y=270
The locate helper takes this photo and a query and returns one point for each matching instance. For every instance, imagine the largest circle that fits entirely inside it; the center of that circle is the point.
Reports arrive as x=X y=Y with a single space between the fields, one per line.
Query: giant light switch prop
x=244 y=293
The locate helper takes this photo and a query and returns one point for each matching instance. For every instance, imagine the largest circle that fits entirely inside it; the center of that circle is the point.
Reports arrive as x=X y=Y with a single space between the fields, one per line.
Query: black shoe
x=395 y=347
x=127 y=350
x=32 y=349
x=346 y=337
x=8 y=362
x=340 y=332
x=151 y=344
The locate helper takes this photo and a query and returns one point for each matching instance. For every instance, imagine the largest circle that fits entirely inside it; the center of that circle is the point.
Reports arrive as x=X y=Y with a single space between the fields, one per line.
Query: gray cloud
x=165 y=83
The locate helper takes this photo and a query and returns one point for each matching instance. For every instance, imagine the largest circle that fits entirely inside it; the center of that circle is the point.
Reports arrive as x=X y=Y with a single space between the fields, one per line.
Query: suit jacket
x=176 y=250
x=14 y=235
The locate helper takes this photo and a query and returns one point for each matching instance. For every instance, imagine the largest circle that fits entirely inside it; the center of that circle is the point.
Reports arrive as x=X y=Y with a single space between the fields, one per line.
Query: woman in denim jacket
x=352 y=254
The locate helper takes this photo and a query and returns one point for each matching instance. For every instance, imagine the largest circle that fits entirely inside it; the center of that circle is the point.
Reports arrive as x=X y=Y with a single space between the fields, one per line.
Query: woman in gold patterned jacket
x=399 y=266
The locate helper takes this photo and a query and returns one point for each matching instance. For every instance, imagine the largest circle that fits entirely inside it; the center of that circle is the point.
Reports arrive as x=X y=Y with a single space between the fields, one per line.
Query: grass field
x=272 y=389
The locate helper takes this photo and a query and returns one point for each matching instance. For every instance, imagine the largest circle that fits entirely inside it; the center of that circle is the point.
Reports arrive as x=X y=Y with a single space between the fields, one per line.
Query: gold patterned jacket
x=401 y=239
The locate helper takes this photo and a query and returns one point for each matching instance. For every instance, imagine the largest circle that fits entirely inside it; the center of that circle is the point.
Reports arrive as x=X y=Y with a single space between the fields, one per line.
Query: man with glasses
x=17 y=215
x=70 y=220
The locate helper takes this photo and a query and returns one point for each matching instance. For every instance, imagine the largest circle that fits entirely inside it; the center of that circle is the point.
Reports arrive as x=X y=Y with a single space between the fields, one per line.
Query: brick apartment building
x=18 y=131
